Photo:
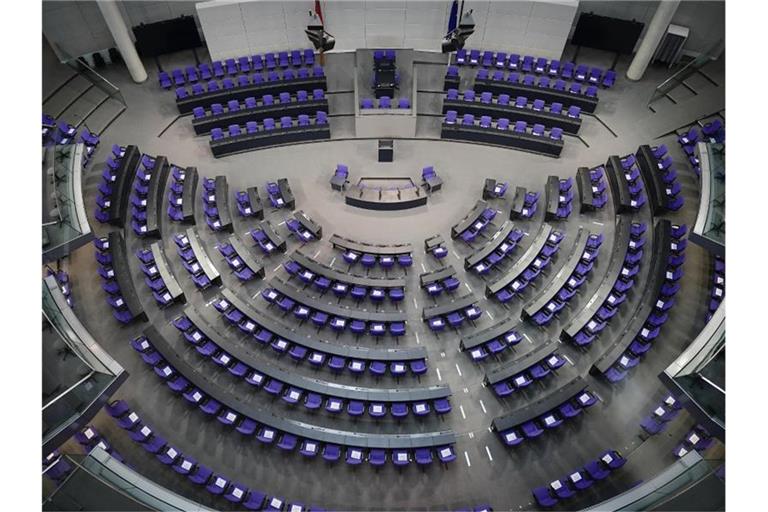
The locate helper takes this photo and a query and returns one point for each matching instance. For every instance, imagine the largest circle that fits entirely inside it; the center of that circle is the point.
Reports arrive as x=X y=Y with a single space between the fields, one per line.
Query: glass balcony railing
x=709 y=229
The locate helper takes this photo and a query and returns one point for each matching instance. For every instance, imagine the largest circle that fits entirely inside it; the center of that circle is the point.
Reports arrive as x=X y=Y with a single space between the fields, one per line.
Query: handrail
x=681 y=74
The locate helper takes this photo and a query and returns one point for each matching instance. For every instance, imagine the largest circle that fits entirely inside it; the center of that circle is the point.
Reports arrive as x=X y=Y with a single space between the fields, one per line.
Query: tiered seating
x=116 y=278
x=492 y=340
x=525 y=270
x=440 y=280
x=660 y=178
x=498 y=133
x=62 y=279
x=548 y=412
x=195 y=259
x=658 y=298
x=158 y=276
x=550 y=90
x=147 y=197
x=452 y=313
x=63 y=133
x=89 y=438
x=269 y=332
x=593 y=193
x=523 y=372
x=717 y=294
x=240 y=260
x=661 y=416
x=214 y=483
x=181 y=198
x=612 y=293
x=305 y=307
x=249 y=203
x=555 y=296
x=233 y=67
x=533 y=112
x=324 y=278
x=271 y=106
x=370 y=254
x=294 y=389
x=267 y=238
x=303 y=227
x=474 y=223
x=384 y=102
x=435 y=245
x=502 y=244
x=540 y=66
x=115 y=187
x=216 y=201
x=269 y=428
x=696 y=439
x=254 y=137
x=580 y=479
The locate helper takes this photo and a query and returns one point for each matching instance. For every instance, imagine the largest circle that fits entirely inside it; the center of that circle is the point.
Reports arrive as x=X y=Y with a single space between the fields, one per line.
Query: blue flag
x=453 y=18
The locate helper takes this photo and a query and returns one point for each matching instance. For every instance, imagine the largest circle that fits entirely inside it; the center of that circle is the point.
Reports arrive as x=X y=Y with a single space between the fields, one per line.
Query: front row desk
x=541 y=144
x=377 y=198
x=230 y=145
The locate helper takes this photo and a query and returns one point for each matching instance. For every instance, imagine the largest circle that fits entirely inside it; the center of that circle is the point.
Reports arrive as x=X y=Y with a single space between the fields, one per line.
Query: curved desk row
x=501 y=329
x=449 y=307
x=188 y=194
x=297 y=428
x=310 y=384
x=201 y=255
x=155 y=196
x=385 y=199
x=520 y=265
x=268 y=322
x=266 y=237
x=654 y=184
x=257 y=90
x=427 y=278
x=203 y=125
x=618 y=255
x=614 y=171
x=552 y=197
x=517 y=366
x=339 y=276
x=662 y=239
x=491 y=245
x=540 y=144
x=586 y=103
x=161 y=262
x=118 y=251
x=513 y=113
x=126 y=172
x=308 y=224
x=346 y=244
x=230 y=145
x=469 y=219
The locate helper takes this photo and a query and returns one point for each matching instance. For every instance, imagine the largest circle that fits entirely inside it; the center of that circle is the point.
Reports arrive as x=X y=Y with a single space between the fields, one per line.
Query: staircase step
x=84 y=106
x=103 y=116
x=66 y=96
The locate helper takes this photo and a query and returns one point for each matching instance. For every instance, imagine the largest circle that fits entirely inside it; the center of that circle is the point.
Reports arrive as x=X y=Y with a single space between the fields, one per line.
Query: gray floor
x=486 y=471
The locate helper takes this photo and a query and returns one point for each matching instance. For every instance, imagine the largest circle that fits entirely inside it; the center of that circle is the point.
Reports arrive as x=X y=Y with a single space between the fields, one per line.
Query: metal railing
x=679 y=76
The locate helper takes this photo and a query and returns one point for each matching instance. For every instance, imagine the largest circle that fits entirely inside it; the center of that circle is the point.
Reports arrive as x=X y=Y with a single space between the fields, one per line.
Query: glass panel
x=64 y=216
x=714 y=227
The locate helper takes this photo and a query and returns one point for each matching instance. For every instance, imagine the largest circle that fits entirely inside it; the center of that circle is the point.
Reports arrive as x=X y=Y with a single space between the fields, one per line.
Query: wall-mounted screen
x=604 y=33
x=167 y=36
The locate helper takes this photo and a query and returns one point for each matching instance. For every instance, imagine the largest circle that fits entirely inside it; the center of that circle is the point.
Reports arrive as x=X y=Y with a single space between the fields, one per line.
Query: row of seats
x=89 y=438
x=536 y=372
x=717 y=294
x=580 y=479
x=499 y=189
x=618 y=295
x=108 y=180
x=218 y=69
x=635 y=182
x=449 y=284
x=599 y=189
x=543 y=82
x=532 y=271
x=496 y=345
x=528 y=64
x=109 y=283
x=190 y=262
x=268 y=124
x=139 y=196
x=153 y=279
x=668 y=174
x=300 y=231
x=530 y=205
x=369 y=261
x=316 y=358
x=451 y=117
x=283 y=98
x=538 y=105
x=712 y=131
x=572 y=285
x=337 y=323
x=210 y=208
x=662 y=414
x=175 y=196
x=698 y=438
x=455 y=318
x=263 y=241
x=235 y=261
x=565 y=199
x=62 y=279
x=244 y=81
x=185 y=465
x=660 y=313
x=63 y=133
x=244 y=206
x=505 y=247
x=385 y=102
x=275 y=195
x=478 y=227
x=340 y=288
x=550 y=420
x=56 y=467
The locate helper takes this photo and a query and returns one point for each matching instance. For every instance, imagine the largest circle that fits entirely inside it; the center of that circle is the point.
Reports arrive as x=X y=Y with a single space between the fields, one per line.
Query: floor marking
x=281 y=223
x=458 y=369
x=457 y=256
x=442 y=354
x=276 y=268
x=598 y=223
x=489 y=314
x=526 y=233
x=488 y=451
x=529 y=339
x=466 y=390
x=418 y=341
x=423 y=267
x=439 y=377
x=598 y=396
x=468 y=287
x=415 y=304
x=333 y=260
x=315 y=256
x=568 y=359
x=461 y=410
x=482 y=406
x=471 y=435
x=466 y=456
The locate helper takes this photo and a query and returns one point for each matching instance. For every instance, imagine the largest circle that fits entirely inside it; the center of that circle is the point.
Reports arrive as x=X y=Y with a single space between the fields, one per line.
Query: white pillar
x=122 y=38
x=653 y=34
